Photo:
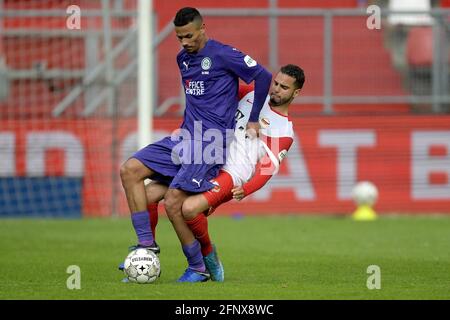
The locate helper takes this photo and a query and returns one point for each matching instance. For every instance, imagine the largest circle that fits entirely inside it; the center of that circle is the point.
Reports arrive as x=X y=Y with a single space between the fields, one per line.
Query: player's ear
x=296 y=92
x=203 y=29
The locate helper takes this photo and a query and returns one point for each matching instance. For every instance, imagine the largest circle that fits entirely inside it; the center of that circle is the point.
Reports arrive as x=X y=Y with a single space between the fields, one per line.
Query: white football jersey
x=244 y=152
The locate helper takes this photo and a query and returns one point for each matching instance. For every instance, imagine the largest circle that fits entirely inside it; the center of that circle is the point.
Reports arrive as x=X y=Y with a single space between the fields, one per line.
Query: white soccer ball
x=142 y=266
x=365 y=193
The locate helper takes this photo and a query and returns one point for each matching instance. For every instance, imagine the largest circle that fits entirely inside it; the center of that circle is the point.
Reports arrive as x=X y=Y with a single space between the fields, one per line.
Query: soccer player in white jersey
x=250 y=162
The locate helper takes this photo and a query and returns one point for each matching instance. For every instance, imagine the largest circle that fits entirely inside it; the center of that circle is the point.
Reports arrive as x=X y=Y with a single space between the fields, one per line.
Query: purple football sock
x=194 y=256
x=141 y=224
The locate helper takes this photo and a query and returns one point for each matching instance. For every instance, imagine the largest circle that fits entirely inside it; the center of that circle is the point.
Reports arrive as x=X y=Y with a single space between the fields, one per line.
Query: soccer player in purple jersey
x=210 y=73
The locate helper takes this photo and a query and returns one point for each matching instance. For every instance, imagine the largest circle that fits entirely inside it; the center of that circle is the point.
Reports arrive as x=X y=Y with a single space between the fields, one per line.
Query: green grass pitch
x=274 y=257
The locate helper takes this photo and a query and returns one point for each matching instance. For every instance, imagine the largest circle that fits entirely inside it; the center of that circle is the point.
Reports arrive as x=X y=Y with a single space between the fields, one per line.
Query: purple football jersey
x=211 y=78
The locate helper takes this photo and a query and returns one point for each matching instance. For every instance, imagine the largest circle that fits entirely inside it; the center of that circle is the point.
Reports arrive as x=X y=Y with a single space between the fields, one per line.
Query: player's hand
x=238 y=193
x=253 y=129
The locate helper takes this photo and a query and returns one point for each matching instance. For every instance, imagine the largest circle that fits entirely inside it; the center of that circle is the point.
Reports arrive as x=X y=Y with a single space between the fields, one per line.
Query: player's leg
x=209 y=200
x=133 y=173
x=196 y=271
x=193 y=210
x=197 y=207
x=152 y=209
x=191 y=178
x=193 y=207
x=153 y=161
x=173 y=201
x=155 y=192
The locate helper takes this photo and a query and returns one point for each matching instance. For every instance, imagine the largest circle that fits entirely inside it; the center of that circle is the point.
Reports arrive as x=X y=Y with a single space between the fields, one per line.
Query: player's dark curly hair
x=295 y=72
x=186 y=15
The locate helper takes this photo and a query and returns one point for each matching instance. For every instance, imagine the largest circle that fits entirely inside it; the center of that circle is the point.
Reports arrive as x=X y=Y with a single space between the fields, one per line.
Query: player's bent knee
x=124 y=173
x=189 y=209
x=155 y=192
x=172 y=205
x=171 y=211
x=132 y=170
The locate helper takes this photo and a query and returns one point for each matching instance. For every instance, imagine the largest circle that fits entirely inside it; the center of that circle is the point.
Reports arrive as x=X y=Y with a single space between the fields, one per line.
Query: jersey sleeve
x=267 y=167
x=244 y=66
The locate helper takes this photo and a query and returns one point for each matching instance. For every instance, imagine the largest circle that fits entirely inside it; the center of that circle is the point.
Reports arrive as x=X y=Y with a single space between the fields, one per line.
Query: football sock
x=141 y=224
x=199 y=227
x=194 y=256
x=152 y=209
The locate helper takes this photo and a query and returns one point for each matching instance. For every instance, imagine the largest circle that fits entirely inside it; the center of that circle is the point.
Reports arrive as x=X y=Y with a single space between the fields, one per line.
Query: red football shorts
x=221 y=193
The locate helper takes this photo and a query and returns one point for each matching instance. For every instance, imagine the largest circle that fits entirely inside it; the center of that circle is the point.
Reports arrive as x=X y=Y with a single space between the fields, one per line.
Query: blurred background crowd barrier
x=375 y=105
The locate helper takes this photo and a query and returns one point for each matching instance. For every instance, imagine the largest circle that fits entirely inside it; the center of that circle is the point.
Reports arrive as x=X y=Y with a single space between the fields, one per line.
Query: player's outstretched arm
x=264 y=170
x=266 y=167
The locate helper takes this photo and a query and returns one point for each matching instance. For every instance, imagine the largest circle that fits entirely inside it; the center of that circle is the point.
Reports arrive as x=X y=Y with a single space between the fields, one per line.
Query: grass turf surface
x=289 y=257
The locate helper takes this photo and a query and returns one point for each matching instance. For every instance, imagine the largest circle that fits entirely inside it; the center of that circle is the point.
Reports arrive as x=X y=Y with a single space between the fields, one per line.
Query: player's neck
x=283 y=109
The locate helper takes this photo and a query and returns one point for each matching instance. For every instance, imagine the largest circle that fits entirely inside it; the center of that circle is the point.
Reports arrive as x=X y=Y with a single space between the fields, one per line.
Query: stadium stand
x=357 y=69
x=45 y=61
x=420 y=47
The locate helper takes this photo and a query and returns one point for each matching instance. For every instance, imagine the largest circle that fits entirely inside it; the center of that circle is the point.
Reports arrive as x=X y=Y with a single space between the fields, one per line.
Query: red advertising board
x=406 y=157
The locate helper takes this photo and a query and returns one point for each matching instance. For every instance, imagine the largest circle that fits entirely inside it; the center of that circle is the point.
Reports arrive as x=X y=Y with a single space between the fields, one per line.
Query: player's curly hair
x=186 y=15
x=295 y=72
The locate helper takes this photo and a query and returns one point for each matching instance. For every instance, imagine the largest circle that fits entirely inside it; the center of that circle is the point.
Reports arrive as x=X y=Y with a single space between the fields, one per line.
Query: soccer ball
x=365 y=193
x=142 y=266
